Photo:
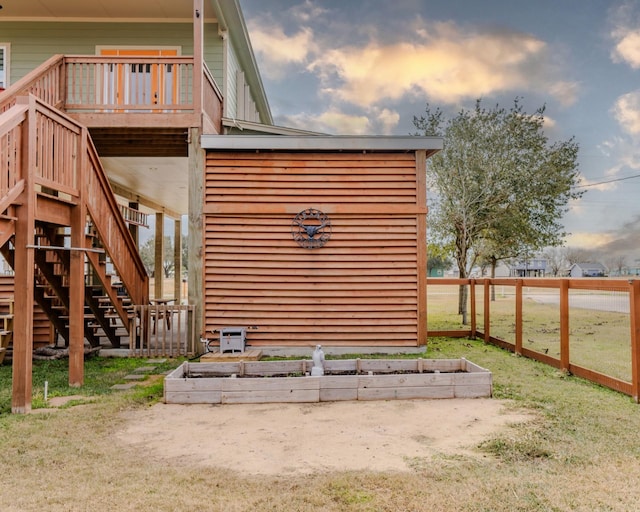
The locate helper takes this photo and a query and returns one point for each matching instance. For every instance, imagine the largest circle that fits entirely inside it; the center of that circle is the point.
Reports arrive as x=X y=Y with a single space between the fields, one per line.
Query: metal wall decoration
x=311 y=228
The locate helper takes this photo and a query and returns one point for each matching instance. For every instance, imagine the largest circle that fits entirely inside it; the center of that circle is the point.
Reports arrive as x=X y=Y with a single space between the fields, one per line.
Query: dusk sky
x=368 y=66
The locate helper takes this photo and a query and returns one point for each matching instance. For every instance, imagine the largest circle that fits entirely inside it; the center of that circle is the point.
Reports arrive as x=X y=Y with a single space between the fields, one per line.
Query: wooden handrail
x=46 y=83
x=106 y=216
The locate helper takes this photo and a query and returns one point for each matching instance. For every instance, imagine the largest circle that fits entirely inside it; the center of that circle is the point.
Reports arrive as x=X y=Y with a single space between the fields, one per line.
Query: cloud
x=626 y=111
x=626 y=35
x=334 y=121
x=624 y=240
x=388 y=120
x=331 y=121
x=589 y=239
x=628 y=49
x=307 y=12
x=441 y=61
x=279 y=50
x=565 y=92
x=447 y=64
x=627 y=155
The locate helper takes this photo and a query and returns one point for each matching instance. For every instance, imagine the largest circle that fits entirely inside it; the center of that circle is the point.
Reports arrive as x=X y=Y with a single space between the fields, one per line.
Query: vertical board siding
x=361 y=288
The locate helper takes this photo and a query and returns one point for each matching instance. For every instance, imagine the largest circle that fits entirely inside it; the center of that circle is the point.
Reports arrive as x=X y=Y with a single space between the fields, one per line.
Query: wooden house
x=588 y=270
x=112 y=111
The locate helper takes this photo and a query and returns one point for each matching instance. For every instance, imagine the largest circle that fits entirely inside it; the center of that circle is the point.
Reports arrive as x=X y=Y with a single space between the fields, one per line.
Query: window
x=4 y=66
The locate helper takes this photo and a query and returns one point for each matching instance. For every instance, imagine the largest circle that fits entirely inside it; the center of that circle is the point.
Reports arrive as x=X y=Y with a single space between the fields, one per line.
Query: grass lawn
x=581 y=453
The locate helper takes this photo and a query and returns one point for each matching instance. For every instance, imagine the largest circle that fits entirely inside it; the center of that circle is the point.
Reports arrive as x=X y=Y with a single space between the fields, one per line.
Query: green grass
x=579 y=453
x=598 y=340
x=100 y=375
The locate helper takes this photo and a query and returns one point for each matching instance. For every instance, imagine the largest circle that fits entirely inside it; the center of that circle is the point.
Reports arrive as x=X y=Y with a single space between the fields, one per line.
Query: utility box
x=232 y=339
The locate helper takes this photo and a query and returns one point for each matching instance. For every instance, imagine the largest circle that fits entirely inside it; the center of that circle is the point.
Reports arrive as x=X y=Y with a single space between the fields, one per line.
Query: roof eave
x=230 y=15
x=322 y=143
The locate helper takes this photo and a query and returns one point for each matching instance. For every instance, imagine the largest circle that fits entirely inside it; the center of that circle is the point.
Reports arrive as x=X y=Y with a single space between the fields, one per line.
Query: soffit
x=109 y=10
x=158 y=182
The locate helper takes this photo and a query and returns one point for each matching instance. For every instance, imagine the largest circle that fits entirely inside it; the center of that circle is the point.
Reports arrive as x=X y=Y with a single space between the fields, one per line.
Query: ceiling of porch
x=98 y=9
x=158 y=184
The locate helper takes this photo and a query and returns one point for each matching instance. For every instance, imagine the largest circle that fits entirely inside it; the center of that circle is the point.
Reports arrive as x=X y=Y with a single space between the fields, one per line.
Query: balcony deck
x=126 y=92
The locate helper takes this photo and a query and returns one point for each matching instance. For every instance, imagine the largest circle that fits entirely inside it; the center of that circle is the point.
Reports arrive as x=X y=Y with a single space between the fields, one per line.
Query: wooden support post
x=196 y=234
x=76 y=273
x=158 y=272
x=487 y=315
x=472 y=300
x=177 y=261
x=421 y=222
x=564 y=325
x=518 y=349
x=634 y=308
x=24 y=267
x=198 y=57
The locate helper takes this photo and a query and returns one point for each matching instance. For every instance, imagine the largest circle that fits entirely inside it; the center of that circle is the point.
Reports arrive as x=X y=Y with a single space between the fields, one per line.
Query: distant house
x=534 y=267
x=588 y=270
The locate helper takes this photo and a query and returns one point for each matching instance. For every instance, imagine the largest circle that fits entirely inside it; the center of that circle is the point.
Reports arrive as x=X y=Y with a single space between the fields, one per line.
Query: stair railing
x=46 y=82
x=112 y=229
x=58 y=146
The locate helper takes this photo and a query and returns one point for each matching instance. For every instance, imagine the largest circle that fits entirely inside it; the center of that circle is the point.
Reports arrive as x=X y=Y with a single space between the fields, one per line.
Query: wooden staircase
x=114 y=276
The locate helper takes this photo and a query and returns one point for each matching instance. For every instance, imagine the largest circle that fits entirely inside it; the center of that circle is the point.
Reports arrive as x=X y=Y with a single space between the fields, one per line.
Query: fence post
x=487 y=316
x=518 y=348
x=564 y=324
x=472 y=300
x=634 y=310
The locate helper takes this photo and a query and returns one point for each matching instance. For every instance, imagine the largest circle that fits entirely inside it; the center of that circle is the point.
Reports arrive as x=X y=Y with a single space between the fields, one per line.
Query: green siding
x=232 y=95
x=32 y=43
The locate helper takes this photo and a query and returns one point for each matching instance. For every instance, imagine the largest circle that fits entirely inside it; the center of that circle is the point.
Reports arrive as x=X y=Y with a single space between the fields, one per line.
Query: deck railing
x=587 y=327
x=133 y=216
x=95 y=85
x=129 y=84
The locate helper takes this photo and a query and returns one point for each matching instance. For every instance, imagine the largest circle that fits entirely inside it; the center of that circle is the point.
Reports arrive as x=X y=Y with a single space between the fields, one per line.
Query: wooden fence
x=163 y=330
x=587 y=327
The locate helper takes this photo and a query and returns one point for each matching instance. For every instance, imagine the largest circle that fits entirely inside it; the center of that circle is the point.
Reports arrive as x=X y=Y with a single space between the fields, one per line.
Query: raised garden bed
x=344 y=379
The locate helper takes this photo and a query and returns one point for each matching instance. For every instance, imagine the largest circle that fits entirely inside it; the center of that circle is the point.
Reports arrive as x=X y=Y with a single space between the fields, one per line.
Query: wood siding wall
x=363 y=288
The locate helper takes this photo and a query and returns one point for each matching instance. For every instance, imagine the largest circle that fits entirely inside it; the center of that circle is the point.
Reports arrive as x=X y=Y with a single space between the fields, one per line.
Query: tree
x=500 y=188
x=575 y=255
x=147 y=254
x=185 y=253
x=556 y=260
x=617 y=263
x=437 y=257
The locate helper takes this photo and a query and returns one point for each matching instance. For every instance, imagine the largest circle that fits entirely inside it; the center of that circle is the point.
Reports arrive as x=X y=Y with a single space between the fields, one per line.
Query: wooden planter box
x=348 y=379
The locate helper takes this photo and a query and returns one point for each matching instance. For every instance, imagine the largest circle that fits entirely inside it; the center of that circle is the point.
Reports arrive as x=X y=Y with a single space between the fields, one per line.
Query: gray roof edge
x=322 y=142
x=267 y=129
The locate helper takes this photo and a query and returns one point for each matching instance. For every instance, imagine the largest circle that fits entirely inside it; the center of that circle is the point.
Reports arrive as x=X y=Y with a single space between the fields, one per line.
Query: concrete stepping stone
x=121 y=387
x=144 y=369
x=134 y=377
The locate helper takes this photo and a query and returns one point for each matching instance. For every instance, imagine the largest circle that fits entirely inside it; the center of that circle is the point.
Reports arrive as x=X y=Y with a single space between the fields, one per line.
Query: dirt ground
x=294 y=439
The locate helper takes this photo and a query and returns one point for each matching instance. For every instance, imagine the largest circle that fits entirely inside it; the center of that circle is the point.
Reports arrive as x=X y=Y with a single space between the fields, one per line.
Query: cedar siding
x=363 y=288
